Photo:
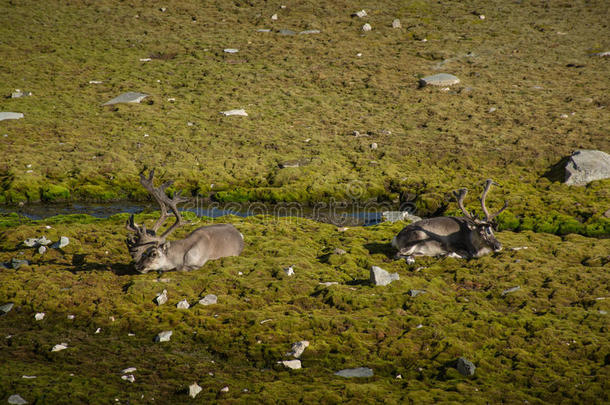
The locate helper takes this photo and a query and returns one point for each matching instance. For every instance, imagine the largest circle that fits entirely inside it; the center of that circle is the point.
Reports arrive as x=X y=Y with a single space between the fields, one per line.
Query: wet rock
x=355 y=372
x=59 y=347
x=163 y=336
x=511 y=290
x=209 y=299
x=396 y=23
x=17 y=263
x=465 y=367
x=39 y=316
x=129 y=97
x=129 y=377
x=415 y=293
x=239 y=112
x=367 y=27
x=16 y=400
x=286 y=32
x=6 y=308
x=381 y=277
x=307 y=32
x=441 y=79
x=585 y=166
x=161 y=298
x=360 y=14
x=292 y=364
x=183 y=304
x=297 y=348
x=10 y=116
x=194 y=390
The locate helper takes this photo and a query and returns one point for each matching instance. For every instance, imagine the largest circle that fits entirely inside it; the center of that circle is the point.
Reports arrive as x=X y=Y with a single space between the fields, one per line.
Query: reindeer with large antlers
x=153 y=252
x=464 y=237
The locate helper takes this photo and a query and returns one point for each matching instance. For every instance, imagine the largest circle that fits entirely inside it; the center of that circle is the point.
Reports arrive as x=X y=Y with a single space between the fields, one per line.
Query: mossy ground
x=545 y=343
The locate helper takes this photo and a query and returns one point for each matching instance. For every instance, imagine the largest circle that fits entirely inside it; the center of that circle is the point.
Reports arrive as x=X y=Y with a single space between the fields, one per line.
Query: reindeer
x=462 y=237
x=151 y=251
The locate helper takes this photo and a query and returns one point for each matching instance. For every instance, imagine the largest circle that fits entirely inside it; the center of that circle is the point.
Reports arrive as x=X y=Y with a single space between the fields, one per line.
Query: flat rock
x=329 y=283
x=355 y=372
x=298 y=348
x=239 y=112
x=289 y=271
x=183 y=304
x=63 y=242
x=6 y=308
x=18 y=94
x=465 y=367
x=209 y=299
x=381 y=277
x=231 y=50
x=511 y=290
x=415 y=293
x=17 y=263
x=33 y=242
x=286 y=32
x=10 y=116
x=441 y=79
x=367 y=27
x=16 y=400
x=585 y=166
x=307 y=32
x=194 y=389
x=161 y=298
x=360 y=14
x=163 y=336
x=59 y=347
x=396 y=23
x=292 y=364
x=129 y=97
x=39 y=316
x=128 y=370
x=129 y=377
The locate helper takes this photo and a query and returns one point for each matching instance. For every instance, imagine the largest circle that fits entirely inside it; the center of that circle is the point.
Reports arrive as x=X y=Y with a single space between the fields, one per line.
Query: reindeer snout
x=497 y=247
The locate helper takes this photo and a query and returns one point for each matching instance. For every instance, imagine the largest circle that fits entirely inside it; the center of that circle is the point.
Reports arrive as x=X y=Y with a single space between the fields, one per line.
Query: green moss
x=96 y=192
x=54 y=192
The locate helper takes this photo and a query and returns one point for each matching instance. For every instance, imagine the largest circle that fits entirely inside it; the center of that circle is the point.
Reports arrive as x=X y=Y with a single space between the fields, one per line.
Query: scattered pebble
x=274 y=17
x=482 y=17
x=70 y=316
x=415 y=293
x=342 y=229
x=17 y=263
x=5 y=308
x=59 y=347
x=292 y=364
x=194 y=389
x=366 y=27
x=209 y=299
x=63 y=242
x=263 y=30
x=42 y=250
x=339 y=251
x=95 y=82
x=440 y=79
x=225 y=389
x=603 y=54
x=359 y=54
x=329 y=283
x=129 y=97
x=28 y=377
x=98 y=330
x=381 y=277
x=564 y=116
x=265 y=321
x=307 y=32
x=286 y=32
x=360 y=14
x=163 y=336
x=39 y=316
x=399 y=377
x=289 y=271
x=145 y=59
x=465 y=367
x=396 y=23
x=602 y=312
x=239 y=112
x=33 y=242
x=10 y=116
x=355 y=372
x=511 y=290
x=161 y=298
x=374 y=145
x=519 y=248
x=231 y=50
x=129 y=377
x=419 y=326
x=129 y=370
x=492 y=109
x=18 y=94
x=16 y=400
x=297 y=348
x=183 y=304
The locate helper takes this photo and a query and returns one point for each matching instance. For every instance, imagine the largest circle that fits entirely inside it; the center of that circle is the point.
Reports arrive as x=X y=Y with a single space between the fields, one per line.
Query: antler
x=489 y=217
x=459 y=196
x=140 y=241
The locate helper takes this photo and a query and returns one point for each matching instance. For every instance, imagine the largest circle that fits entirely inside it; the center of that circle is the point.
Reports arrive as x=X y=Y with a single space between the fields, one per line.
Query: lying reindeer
x=153 y=252
x=463 y=237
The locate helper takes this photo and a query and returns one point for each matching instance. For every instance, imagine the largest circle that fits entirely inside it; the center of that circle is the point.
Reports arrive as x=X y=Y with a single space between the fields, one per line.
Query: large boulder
x=585 y=166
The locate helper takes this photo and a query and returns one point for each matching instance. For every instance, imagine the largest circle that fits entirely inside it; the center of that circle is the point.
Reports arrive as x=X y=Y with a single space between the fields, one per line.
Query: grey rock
x=605 y=54
x=129 y=377
x=6 y=308
x=286 y=32
x=607 y=214
x=374 y=145
x=183 y=304
x=292 y=163
x=231 y=50
x=297 y=348
x=465 y=367
x=511 y=290
x=59 y=347
x=360 y=14
x=163 y=336
x=33 y=242
x=10 y=116
x=585 y=166
x=42 y=250
x=396 y=23
x=18 y=94
x=441 y=79
x=161 y=298
x=329 y=283
x=263 y=30
x=394 y=216
x=239 y=112
x=129 y=97
x=209 y=299
x=17 y=263
x=367 y=27
x=194 y=389
x=306 y=32
x=63 y=242
x=355 y=372
x=292 y=364
x=339 y=251
x=16 y=400
x=415 y=293
x=381 y=277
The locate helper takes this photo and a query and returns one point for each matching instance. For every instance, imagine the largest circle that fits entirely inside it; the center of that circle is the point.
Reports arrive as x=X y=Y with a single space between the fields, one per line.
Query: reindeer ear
x=165 y=247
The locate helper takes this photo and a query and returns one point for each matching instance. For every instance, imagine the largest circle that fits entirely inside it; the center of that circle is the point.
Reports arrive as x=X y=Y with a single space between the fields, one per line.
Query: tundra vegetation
x=532 y=90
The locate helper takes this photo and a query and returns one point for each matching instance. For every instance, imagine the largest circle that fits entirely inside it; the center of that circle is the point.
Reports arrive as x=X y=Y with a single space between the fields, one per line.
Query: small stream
x=337 y=214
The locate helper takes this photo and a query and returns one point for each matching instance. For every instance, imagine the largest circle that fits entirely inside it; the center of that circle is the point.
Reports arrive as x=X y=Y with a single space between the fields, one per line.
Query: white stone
x=28 y=377
x=145 y=59
x=298 y=348
x=183 y=304
x=16 y=400
x=292 y=364
x=265 y=321
x=289 y=271
x=161 y=298
x=361 y=13
x=59 y=347
x=63 y=242
x=381 y=277
x=307 y=32
x=42 y=250
x=5 y=308
x=274 y=17
x=482 y=17
x=396 y=23
x=238 y=112
x=441 y=79
x=342 y=229
x=231 y=50
x=585 y=166
x=129 y=97
x=129 y=377
x=225 y=389
x=164 y=336
x=366 y=27
x=374 y=145
x=98 y=330
x=129 y=370
x=39 y=316
x=70 y=316
x=95 y=82
x=394 y=216
x=10 y=116
x=603 y=54
x=194 y=389
x=209 y=299
x=329 y=283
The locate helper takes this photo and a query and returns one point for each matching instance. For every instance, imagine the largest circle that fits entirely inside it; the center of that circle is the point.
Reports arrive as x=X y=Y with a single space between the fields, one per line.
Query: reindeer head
x=482 y=230
x=142 y=241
